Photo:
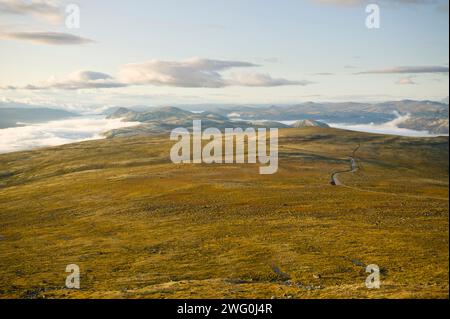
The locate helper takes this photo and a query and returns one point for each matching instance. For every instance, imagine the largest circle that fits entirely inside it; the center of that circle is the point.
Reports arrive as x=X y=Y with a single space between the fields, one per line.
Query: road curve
x=353 y=168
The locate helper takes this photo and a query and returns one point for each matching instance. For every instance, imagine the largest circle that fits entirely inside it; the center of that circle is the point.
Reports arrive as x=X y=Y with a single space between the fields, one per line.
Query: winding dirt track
x=354 y=168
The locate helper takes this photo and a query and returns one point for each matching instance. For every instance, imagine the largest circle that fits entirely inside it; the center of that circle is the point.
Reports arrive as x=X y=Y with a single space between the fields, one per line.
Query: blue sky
x=284 y=51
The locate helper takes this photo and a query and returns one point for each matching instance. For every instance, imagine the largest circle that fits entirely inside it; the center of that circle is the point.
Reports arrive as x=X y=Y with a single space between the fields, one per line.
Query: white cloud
x=262 y=80
x=196 y=72
x=406 y=81
x=78 y=80
x=53 y=38
x=191 y=73
x=408 y=69
x=188 y=73
x=49 y=11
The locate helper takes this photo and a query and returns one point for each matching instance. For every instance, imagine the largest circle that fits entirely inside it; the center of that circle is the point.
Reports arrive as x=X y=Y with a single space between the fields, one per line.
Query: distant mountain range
x=165 y=119
x=13 y=117
x=418 y=115
x=415 y=115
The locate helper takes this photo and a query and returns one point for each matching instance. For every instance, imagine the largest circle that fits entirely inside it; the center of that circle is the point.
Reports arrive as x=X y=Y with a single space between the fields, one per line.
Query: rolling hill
x=165 y=119
x=141 y=227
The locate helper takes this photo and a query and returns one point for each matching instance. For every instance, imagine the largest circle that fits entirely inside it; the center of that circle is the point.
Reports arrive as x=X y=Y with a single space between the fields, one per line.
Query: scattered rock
x=6 y=174
x=154 y=250
x=236 y=281
x=283 y=276
x=358 y=263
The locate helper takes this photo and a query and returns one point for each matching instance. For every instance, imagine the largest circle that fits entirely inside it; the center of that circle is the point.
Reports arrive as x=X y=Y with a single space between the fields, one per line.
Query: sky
x=168 y=52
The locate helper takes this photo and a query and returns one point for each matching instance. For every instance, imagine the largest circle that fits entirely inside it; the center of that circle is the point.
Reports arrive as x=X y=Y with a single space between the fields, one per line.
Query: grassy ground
x=141 y=227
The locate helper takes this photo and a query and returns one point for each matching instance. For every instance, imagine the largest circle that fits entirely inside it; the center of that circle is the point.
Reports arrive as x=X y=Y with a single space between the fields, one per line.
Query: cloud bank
x=42 y=9
x=47 y=10
x=191 y=73
x=188 y=73
x=57 y=133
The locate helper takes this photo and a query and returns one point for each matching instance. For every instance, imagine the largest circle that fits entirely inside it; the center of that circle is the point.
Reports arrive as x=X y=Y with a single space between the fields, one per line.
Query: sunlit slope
x=141 y=227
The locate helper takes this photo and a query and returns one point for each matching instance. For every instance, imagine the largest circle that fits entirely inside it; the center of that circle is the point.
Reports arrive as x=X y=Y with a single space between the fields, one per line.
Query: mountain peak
x=122 y=112
x=309 y=123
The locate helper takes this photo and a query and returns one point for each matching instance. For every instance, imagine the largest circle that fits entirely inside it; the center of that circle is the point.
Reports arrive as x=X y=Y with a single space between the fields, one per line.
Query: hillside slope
x=165 y=119
x=141 y=227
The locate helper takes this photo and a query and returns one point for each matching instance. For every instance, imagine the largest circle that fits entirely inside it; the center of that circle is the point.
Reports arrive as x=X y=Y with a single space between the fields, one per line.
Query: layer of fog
x=384 y=128
x=390 y=127
x=58 y=132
